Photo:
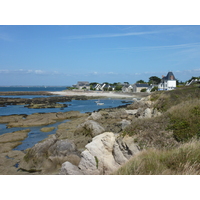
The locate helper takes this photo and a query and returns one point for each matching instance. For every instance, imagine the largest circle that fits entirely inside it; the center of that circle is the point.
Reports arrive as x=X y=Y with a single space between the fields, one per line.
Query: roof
x=170 y=76
x=83 y=83
x=141 y=85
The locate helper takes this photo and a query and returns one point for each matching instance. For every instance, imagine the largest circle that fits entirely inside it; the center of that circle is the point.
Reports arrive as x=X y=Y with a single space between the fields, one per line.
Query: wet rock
x=39 y=119
x=11 y=118
x=47 y=105
x=8 y=141
x=47 y=129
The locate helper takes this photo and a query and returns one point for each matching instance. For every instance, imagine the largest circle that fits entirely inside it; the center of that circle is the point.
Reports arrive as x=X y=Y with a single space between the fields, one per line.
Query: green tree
x=118 y=87
x=93 y=83
x=154 y=80
x=110 y=89
x=154 y=89
x=140 y=81
x=143 y=90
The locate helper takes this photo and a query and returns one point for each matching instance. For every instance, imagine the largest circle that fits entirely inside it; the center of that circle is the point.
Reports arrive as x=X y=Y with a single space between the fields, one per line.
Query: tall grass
x=185 y=120
x=184 y=160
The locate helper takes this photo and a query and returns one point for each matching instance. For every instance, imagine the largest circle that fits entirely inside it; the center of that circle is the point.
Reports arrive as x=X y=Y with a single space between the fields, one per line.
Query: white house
x=167 y=82
x=82 y=85
x=127 y=88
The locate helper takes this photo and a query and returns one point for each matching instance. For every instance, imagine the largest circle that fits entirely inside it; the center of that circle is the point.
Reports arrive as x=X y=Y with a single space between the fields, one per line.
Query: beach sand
x=100 y=94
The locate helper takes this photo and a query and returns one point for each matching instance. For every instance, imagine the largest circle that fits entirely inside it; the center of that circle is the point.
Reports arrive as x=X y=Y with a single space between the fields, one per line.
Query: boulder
x=89 y=128
x=125 y=123
x=49 y=155
x=95 y=116
x=105 y=154
x=148 y=113
x=70 y=169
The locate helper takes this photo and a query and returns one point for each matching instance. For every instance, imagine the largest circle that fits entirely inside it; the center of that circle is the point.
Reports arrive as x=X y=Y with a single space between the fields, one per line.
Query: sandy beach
x=100 y=94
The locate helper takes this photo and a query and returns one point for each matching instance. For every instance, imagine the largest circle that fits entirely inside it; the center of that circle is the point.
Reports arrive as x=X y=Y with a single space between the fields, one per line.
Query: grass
x=170 y=143
x=184 y=160
x=151 y=133
x=164 y=100
x=185 y=120
x=179 y=122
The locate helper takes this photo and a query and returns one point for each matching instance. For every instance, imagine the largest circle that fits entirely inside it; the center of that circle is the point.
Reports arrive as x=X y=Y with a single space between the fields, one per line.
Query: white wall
x=171 y=84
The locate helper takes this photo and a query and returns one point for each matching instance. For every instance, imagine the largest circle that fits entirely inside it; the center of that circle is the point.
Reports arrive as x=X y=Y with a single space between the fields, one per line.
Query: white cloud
x=25 y=71
x=110 y=35
x=39 y=72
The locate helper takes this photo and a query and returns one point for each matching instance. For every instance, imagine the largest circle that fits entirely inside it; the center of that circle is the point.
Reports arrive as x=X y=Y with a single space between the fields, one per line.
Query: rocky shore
x=89 y=143
x=43 y=102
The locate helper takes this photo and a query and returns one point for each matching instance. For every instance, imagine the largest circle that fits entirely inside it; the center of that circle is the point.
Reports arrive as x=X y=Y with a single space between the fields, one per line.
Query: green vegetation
x=143 y=90
x=141 y=81
x=154 y=89
x=184 y=160
x=97 y=162
x=118 y=88
x=154 y=80
x=170 y=142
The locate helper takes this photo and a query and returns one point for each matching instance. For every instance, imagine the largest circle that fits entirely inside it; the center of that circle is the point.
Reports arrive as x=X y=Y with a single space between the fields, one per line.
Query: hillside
x=169 y=142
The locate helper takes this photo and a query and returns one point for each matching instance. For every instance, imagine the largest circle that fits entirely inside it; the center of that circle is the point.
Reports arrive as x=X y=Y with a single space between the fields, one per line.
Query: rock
x=125 y=123
x=41 y=119
x=11 y=118
x=90 y=128
x=156 y=113
x=46 y=105
x=8 y=146
x=148 y=113
x=95 y=116
x=98 y=158
x=8 y=141
x=132 y=112
x=127 y=146
x=69 y=169
x=103 y=155
x=14 y=136
x=47 y=129
x=9 y=161
x=48 y=156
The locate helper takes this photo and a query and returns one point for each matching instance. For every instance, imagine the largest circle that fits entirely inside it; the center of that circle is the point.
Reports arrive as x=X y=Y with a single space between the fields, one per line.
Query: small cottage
x=137 y=87
x=83 y=85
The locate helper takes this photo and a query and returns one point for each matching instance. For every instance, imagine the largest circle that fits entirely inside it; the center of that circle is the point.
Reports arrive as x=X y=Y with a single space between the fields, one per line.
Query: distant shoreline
x=76 y=93
x=100 y=93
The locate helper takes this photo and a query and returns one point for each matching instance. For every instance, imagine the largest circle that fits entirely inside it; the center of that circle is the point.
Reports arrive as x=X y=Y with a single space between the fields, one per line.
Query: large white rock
x=103 y=155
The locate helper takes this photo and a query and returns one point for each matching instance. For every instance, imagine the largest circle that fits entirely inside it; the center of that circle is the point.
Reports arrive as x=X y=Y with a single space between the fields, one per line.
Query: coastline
x=100 y=94
x=69 y=130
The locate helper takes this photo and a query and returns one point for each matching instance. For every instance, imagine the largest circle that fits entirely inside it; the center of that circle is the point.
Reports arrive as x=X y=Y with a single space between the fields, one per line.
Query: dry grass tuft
x=184 y=160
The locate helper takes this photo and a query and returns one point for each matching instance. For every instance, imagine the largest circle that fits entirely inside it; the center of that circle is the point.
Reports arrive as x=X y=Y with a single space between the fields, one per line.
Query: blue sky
x=63 y=55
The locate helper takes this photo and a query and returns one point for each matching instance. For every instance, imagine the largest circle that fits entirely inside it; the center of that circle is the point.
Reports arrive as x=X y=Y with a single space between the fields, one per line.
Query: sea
x=35 y=135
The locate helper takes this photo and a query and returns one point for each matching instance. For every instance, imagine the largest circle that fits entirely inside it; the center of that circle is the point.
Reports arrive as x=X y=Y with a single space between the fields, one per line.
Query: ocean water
x=75 y=105
x=35 y=135
x=33 y=88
